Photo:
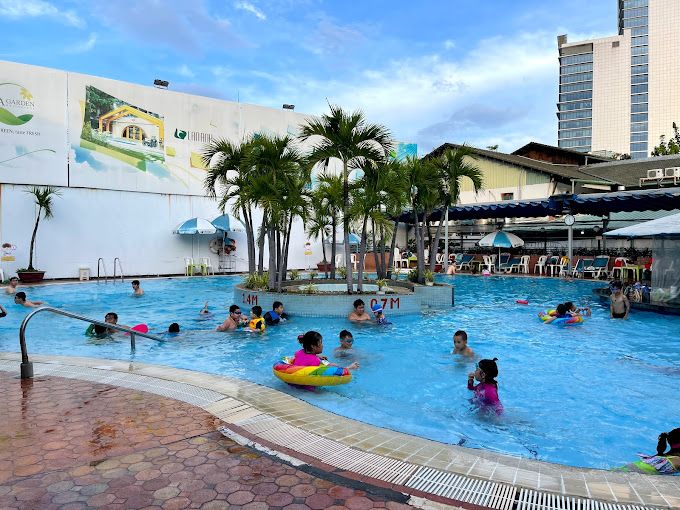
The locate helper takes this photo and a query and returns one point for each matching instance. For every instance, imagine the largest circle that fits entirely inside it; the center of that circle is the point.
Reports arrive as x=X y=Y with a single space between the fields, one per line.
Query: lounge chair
x=600 y=266
x=465 y=262
x=577 y=271
x=511 y=264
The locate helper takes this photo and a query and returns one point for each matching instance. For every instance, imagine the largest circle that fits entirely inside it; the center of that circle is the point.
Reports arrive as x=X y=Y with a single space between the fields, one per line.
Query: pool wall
x=340 y=305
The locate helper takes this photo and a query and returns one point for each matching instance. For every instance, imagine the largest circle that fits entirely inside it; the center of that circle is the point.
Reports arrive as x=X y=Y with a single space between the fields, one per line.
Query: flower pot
x=429 y=284
x=31 y=276
x=323 y=267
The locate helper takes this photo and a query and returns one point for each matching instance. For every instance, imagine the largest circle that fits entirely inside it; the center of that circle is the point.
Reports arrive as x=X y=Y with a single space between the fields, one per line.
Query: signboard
x=32 y=125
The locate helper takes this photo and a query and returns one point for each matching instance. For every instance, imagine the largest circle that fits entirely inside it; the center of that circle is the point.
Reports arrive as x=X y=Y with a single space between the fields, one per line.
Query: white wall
x=136 y=227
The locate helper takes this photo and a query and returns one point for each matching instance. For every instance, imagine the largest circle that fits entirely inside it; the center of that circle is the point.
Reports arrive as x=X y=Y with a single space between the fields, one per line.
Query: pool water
x=587 y=395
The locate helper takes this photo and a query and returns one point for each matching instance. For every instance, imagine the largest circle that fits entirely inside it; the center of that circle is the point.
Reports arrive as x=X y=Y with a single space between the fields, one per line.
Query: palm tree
x=279 y=179
x=349 y=138
x=453 y=166
x=228 y=174
x=319 y=223
x=330 y=191
x=43 y=199
x=423 y=183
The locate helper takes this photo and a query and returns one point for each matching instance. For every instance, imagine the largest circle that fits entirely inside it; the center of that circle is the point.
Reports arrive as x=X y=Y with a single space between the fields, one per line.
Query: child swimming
x=312 y=346
x=664 y=462
x=486 y=392
x=379 y=315
x=573 y=310
x=460 y=345
x=256 y=321
x=560 y=313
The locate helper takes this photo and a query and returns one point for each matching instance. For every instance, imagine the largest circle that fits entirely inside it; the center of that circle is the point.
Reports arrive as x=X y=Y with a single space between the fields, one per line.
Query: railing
x=27 y=366
x=120 y=266
x=102 y=264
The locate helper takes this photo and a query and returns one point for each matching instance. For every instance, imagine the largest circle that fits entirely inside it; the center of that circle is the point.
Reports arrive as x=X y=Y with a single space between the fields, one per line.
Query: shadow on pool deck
x=72 y=444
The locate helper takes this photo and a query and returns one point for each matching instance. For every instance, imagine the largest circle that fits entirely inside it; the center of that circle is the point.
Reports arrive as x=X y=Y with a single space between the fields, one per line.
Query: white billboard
x=33 y=145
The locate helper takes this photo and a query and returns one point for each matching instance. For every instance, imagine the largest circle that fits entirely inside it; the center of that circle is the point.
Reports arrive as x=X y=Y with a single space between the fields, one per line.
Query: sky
x=459 y=71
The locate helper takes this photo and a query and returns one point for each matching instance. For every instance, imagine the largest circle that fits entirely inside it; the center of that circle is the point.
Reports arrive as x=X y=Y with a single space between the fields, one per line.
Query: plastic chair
x=397 y=260
x=206 y=266
x=354 y=259
x=524 y=264
x=488 y=263
x=539 y=267
x=439 y=258
x=338 y=260
x=188 y=266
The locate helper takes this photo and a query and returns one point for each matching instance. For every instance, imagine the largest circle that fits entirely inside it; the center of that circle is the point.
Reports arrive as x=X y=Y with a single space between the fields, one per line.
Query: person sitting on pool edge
x=619 y=306
x=256 y=321
x=12 y=285
x=275 y=315
x=137 y=290
x=460 y=345
x=379 y=315
x=234 y=320
x=663 y=463
x=359 y=313
x=20 y=299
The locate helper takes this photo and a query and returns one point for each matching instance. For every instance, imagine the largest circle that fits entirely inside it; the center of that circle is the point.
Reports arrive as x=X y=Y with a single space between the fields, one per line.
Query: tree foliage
x=667 y=148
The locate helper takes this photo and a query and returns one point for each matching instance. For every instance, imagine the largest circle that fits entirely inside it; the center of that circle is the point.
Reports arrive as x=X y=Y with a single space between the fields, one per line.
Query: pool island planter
x=31 y=276
x=408 y=299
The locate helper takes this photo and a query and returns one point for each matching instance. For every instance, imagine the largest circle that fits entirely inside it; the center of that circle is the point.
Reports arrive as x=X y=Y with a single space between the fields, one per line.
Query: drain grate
x=528 y=499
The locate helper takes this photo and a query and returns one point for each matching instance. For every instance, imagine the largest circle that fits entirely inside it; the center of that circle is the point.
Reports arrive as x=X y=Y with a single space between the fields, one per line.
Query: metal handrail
x=27 y=366
x=122 y=278
x=103 y=264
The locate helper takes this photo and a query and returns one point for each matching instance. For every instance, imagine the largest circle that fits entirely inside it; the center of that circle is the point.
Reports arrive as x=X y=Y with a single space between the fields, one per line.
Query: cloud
x=84 y=46
x=330 y=38
x=449 y=44
x=184 y=70
x=474 y=116
x=38 y=8
x=248 y=7
x=187 y=27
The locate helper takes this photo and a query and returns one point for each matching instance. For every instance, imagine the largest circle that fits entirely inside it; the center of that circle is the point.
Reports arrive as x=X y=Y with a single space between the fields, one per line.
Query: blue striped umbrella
x=195 y=226
x=227 y=223
x=500 y=239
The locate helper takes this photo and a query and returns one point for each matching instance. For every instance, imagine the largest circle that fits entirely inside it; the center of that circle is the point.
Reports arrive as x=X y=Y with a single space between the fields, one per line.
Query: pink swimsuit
x=486 y=395
x=304 y=359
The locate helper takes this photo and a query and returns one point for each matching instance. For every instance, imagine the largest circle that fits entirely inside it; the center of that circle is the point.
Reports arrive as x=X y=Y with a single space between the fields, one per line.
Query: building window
x=643 y=69
x=638 y=117
x=570 y=124
x=576 y=105
x=639 y=78
x=639 y=50
x=507 y=196
x=639 y=98
x=639 y=108
x=638 y=155
x=640 y=126
x=638 y=60
x=636 y=147
x=638 y=137
x=575 y=96
x=639 y=41
x=576 y=59
x=634 y=32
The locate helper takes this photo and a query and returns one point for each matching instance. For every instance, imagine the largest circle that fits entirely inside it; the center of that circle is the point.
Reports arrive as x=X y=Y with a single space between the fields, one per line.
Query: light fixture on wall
x=161 y=84
x=289 y=107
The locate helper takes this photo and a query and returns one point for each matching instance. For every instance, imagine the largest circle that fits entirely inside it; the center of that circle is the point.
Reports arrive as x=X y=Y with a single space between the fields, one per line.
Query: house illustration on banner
x=133 y=125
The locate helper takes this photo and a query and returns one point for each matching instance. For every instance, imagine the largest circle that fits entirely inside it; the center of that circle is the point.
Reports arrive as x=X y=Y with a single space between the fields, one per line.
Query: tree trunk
x=376 y=252
x=250 y=238
x=362 y=252
x=434 y=249
x=283 y=269
x=345 y=226
x=420 y=248
x=334 y=241
x=271 y=235
x=323 y=250
x=393 y=245
x=260 y=245
x=35 y=232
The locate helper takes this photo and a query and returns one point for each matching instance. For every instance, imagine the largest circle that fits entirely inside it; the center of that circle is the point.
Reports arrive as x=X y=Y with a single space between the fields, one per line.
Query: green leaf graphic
x=7 y=117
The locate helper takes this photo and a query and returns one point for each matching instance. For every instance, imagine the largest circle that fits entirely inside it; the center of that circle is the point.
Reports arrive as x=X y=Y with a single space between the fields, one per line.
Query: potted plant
x=312 y=275
x=429 y=278
x=381 y=283
x=294 y=274
x=342 y=272
x=43 y=199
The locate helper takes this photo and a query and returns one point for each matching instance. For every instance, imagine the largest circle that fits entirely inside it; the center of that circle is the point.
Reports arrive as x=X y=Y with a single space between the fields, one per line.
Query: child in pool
x=460 y=345
x=574 y=311
x=312 y=346
x=663 y=463
x=205 y=310
x=486 y=392
x=560 y=313
x=379 y=315
x=256 y=321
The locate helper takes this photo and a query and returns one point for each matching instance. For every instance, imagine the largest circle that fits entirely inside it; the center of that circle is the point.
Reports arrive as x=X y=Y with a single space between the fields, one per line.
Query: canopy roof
x=668 y=226
x=665 y=199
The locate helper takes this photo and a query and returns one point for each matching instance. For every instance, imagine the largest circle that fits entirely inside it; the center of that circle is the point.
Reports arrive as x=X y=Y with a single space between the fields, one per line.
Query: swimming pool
x=590 y=395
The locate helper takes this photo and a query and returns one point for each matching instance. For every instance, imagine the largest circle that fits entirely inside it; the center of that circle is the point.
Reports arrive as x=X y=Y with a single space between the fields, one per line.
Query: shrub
x=429 y=276
x=342 y=271
x=413 y=276
x=313 y=275
x=381 y=283
x=294 y=274
x=256 y=281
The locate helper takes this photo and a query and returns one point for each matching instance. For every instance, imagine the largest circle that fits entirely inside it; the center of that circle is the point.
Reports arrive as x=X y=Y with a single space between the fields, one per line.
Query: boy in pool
x=275 y=315
x=234 y=320
x=346 y=344
x=256 y=321
x=20 y=299
x=619 y=306
x=379 y=315
x=205 y=310
x=560 y=313
x=137 y=290
x=12 y=285
x=460 y=345
x=573 y=311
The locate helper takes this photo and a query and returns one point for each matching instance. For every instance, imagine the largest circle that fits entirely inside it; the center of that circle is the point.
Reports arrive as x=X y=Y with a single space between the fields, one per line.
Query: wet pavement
x=74 y=444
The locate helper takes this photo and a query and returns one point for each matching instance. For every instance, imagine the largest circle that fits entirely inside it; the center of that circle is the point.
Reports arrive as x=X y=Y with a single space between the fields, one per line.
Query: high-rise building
x=620 y=94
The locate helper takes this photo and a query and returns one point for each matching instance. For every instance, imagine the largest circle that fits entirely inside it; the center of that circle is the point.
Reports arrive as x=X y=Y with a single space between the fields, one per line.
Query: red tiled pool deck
x=72 y=444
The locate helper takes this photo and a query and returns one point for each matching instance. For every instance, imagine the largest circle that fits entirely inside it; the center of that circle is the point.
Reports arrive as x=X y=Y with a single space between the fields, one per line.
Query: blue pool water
x=589 y=395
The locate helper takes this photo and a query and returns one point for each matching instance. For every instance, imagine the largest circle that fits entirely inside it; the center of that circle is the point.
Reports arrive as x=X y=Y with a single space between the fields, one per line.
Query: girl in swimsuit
x=664 y=462
x=486 y=392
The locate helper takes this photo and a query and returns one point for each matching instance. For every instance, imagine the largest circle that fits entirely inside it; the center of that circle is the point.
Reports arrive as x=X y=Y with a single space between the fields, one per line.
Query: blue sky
x=481 y=72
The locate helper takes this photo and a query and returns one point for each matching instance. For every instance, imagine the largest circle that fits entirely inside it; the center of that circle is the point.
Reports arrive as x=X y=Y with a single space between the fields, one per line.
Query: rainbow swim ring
x=322 y=375
x=566 y=321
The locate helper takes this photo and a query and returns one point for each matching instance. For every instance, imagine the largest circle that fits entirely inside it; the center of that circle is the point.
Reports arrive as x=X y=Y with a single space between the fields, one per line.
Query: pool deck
x=428 y=472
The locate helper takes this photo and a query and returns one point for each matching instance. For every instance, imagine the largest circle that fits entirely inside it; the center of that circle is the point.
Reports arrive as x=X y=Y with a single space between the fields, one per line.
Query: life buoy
x=215 y=245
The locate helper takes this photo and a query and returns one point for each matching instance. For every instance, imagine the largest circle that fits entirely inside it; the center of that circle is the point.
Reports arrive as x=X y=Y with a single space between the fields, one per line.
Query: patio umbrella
x=195 y=226
x=500 y=239
x=227 y=223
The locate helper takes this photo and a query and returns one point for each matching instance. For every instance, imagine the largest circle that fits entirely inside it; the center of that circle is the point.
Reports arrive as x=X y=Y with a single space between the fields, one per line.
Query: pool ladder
x=27 y=366
x=101 y=265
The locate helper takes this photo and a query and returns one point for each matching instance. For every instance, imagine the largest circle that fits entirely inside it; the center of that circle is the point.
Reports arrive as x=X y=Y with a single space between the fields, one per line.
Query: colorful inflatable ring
x=310 y=376
x=566 y=321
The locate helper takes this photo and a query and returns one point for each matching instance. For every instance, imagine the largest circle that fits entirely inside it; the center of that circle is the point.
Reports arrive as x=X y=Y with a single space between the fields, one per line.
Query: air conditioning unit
x=655 y=174
x=672 y=172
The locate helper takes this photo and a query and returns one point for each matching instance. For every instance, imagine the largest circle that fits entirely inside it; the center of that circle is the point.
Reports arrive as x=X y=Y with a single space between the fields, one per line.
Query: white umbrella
x=195 y=226
x=500 y=239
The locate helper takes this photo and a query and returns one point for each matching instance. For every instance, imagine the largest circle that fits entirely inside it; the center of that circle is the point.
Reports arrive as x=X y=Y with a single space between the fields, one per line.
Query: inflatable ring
x=310 y=376
x=566 y=321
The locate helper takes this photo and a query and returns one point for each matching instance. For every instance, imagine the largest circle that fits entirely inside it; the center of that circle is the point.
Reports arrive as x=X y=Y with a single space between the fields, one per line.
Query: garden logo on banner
x=16 y=104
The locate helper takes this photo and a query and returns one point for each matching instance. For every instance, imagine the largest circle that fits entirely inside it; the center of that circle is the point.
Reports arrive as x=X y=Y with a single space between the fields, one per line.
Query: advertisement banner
x=33 y=144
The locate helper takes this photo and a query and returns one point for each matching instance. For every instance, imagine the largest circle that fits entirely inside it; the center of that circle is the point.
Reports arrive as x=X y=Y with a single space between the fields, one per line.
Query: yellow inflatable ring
x=321 y=375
